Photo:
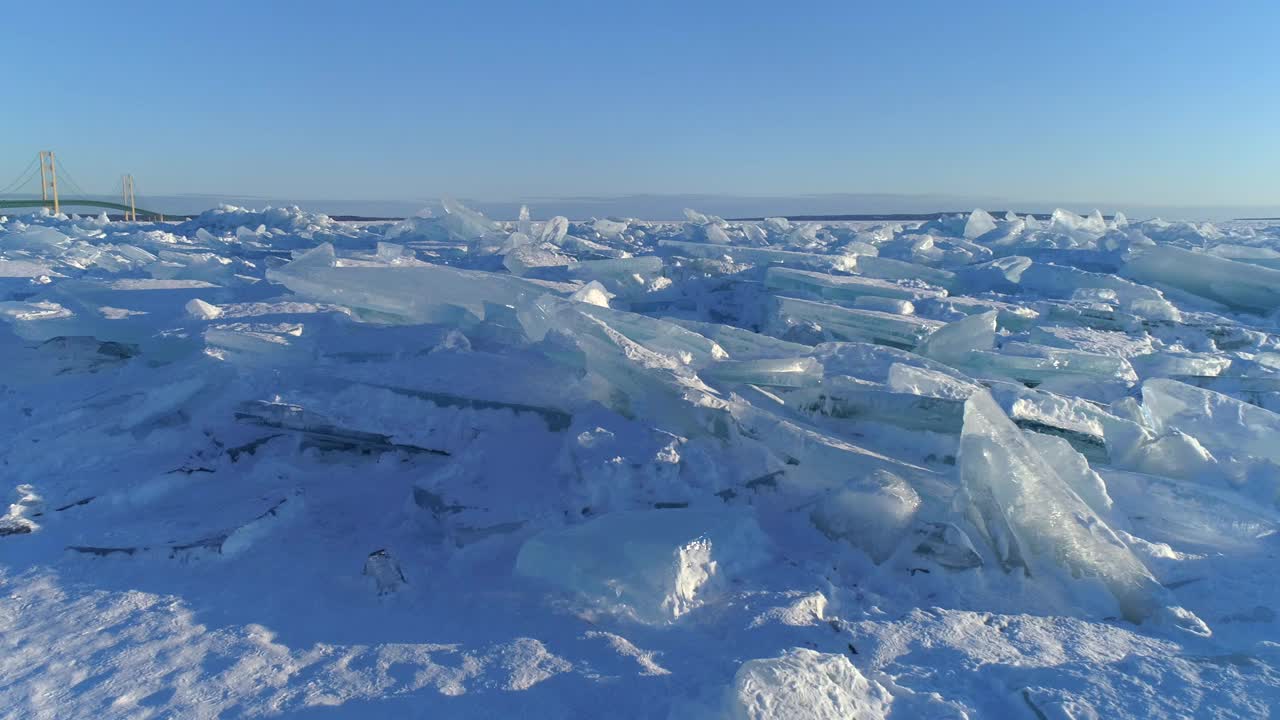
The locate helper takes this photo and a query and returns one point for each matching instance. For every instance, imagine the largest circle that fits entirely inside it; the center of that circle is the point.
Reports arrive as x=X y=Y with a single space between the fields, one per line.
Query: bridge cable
x=23 y=176
x=67 y=178
x=19 y=184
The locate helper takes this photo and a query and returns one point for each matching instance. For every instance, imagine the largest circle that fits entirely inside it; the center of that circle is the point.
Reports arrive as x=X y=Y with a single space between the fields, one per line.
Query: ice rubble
x=656 y=419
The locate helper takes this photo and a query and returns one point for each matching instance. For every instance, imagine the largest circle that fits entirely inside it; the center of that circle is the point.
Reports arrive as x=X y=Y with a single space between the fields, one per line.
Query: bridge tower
x=49 y=179
x=127 y=198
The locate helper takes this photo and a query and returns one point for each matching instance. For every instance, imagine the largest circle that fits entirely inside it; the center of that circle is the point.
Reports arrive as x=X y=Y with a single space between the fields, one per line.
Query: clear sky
x=1163 y=103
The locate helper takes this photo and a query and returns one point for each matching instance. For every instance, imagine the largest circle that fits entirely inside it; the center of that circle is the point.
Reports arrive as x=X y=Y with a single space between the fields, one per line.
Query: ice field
x=267 y=464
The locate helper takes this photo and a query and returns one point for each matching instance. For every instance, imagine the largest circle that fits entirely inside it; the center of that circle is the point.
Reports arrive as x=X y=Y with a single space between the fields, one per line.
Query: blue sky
x=1169 y=103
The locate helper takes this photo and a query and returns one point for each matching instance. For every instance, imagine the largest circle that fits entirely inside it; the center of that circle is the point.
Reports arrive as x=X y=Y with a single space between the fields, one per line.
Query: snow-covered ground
x=265 y=464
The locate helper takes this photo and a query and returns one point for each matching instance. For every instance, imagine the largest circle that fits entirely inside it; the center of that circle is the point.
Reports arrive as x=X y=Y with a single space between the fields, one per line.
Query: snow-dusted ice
x=268 y=464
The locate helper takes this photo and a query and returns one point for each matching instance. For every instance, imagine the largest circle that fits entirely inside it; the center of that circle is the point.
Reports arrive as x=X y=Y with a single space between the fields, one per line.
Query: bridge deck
x=76 y=203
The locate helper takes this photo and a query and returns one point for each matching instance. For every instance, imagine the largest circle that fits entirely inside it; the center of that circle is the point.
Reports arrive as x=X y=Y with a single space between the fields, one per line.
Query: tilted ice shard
x=816 y=463
x=845 y=398
x=1033 y=519
x=979 y=223
x=1236 y=284
x=842 y=288
x=1057 y=281
x=952 y=343
x=463 y=222
x=1227 y=427
x=1095 y=433
x=1076 y=361
x=1085 y=374
x=762 y=256
x=615 y=269
x=654 y=565
x=411 y=293
x=846 y=324
x=999 y=275
x=624 y=374
x=661 y=336
x=889 y=269
x=928 y=383
x=744 y=344
x=1167 y=364
x=554 y=230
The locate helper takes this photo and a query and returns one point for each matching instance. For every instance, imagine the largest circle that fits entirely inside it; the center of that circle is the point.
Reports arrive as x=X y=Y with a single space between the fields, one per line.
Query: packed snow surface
x=267 y=464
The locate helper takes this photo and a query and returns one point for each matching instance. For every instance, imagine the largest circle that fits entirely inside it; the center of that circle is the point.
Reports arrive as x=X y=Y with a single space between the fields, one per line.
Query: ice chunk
x=884 y=304
x=762 y=256
x=1035 y=521
x=744 y=344
x=928 y=383
x=24 y=269
x=1266 y=257
x=615 y=269
x=24 y=312
x=1164 y=364
x=1176 y=454
x=1081 y=373
x=1235 y=284
x=846 y=324
x=593 y=293
x=625 y=375
x=606 y=228
x=202 y=310
x=654 y=566
x=1098 y=435
x=402 y=293
x=953 y=343
x=1226 y=427
x=554 y=230
x=947 y=545
x=889 y=269
x=774 y=372
x=804 y=684
x=999 y=275
x=715 y=234
x=1057 y=281
x=872 y=362
x=873 y=514
x=661 y=336
x=36 y=239
x=696 y=218
x=842 y=288
x=979 y=223
x=777 y=225
x=463 y=222
x=754 y=234
x=845 y=398
x=526 y=257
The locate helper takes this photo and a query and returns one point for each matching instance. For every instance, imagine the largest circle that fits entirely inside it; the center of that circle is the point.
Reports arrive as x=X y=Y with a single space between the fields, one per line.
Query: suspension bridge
x=45 y=182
